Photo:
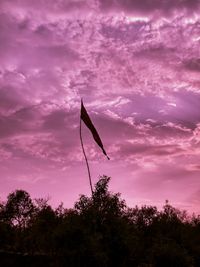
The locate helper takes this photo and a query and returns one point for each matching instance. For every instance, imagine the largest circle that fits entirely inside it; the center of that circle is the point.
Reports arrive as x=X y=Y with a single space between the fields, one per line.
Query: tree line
x=100 y=231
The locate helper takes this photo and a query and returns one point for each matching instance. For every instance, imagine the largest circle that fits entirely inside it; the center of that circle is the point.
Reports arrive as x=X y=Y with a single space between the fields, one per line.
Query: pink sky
x=137 y=66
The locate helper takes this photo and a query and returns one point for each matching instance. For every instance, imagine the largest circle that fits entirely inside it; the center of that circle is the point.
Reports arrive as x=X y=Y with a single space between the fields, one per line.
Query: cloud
x=148 y=150
x=135 y=64
x=147 y=6
x=129 y=6
x=50 y=6
x=192 y=64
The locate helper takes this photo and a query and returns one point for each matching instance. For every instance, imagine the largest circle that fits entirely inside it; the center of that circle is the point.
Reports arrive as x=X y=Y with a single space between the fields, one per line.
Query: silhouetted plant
x=19 y=208
x=99 y=231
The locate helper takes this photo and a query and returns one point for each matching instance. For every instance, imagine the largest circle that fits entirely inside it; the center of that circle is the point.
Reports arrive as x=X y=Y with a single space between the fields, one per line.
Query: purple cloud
x=136 y=65
x=148 y=6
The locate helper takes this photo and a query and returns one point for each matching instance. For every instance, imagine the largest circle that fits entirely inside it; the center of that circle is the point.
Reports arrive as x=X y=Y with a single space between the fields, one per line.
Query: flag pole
x=86 y=160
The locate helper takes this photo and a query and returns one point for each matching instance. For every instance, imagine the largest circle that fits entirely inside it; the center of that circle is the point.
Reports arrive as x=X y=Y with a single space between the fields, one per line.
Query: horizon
x=48 y=200
x=136 y=65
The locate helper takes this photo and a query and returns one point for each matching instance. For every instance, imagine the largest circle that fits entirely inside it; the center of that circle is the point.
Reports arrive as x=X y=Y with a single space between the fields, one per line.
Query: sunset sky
x=136 y=64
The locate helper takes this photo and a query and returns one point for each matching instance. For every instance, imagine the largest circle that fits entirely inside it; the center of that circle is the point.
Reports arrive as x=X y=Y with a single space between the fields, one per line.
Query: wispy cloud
x=135 y=63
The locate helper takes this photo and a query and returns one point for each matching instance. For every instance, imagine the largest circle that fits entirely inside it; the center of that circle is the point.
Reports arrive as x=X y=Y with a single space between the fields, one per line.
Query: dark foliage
x=99 y=231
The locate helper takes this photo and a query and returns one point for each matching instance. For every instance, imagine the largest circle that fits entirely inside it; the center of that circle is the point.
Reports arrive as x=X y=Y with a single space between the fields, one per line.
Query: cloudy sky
x=136 y=64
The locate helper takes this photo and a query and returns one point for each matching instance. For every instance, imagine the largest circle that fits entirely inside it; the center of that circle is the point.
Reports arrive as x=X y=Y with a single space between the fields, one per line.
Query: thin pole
x=86 y=160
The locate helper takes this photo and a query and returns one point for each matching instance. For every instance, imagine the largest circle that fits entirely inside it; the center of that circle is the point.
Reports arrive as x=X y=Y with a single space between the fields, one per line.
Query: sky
x=136 y=64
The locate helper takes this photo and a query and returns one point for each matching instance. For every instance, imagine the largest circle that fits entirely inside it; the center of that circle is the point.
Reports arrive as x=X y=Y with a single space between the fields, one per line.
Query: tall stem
x=86 y=160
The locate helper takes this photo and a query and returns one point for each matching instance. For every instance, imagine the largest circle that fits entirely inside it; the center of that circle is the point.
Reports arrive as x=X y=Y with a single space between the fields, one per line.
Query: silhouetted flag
x=86 y=119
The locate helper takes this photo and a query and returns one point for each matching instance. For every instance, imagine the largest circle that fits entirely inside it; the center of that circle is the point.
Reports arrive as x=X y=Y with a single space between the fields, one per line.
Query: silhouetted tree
x=99 y=231
x=19 y=208
x=41 y=230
